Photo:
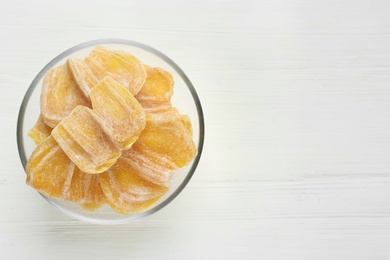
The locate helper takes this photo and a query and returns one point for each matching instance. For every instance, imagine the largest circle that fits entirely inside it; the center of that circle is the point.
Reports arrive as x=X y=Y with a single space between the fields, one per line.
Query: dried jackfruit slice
x=150 y=165
x=40 y=131
x=82 y=139
x=52 y=173
x=166 y=135
x=49 y=170
x=125 y=191
x=96 y=68
x=83 y=75
x=155 y=95
x=60 y=95
x=121 y=66
x=122 y=117
x=163 y=147
x=85 y=190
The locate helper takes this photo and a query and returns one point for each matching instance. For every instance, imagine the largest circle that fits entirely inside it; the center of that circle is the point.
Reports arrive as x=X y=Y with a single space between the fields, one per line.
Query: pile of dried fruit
x=108 y=133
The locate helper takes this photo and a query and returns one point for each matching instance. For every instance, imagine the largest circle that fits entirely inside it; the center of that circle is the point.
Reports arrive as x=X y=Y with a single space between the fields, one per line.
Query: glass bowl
x=184 y=98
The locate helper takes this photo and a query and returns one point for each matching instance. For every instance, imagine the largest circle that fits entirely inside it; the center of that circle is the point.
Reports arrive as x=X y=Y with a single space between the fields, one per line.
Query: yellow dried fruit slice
x=166 y=135
x=125 y=191
x=121 y=66
x=150 y=165
x=155 y=95
x=60 y=95
x=85 y=190
x=52 y=173
x=96 y=68
x=49 y=170
x=82 y=139
x=83 y=75
x=122 y=117
x=40 y=131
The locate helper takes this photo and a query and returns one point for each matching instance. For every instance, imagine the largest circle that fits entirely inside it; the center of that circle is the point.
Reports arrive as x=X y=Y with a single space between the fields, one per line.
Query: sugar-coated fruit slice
x=40 y=131
x=82 y=139
x=60 y=95
x=49 y=170
x=96 y=68
x=150 y=165
x=122 y=117
x=85 y=190
x=52 y=173
x=125 y=191
x=155 y=95
x=83 y=75
x=166 y=135
x=121 y=66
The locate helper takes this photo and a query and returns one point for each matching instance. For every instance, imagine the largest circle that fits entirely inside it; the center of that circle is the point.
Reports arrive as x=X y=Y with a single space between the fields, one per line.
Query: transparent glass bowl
x=184 y=98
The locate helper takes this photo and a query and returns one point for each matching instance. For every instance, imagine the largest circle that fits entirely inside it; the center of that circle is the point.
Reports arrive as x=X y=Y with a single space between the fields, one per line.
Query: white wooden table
x=296 y=97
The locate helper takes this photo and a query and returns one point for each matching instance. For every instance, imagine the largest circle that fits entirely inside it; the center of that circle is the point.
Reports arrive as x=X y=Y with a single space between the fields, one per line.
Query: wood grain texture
x=296 y=102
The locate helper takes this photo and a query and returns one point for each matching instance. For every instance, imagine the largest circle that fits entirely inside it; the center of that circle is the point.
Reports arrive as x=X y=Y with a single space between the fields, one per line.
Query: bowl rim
x=88 y=44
